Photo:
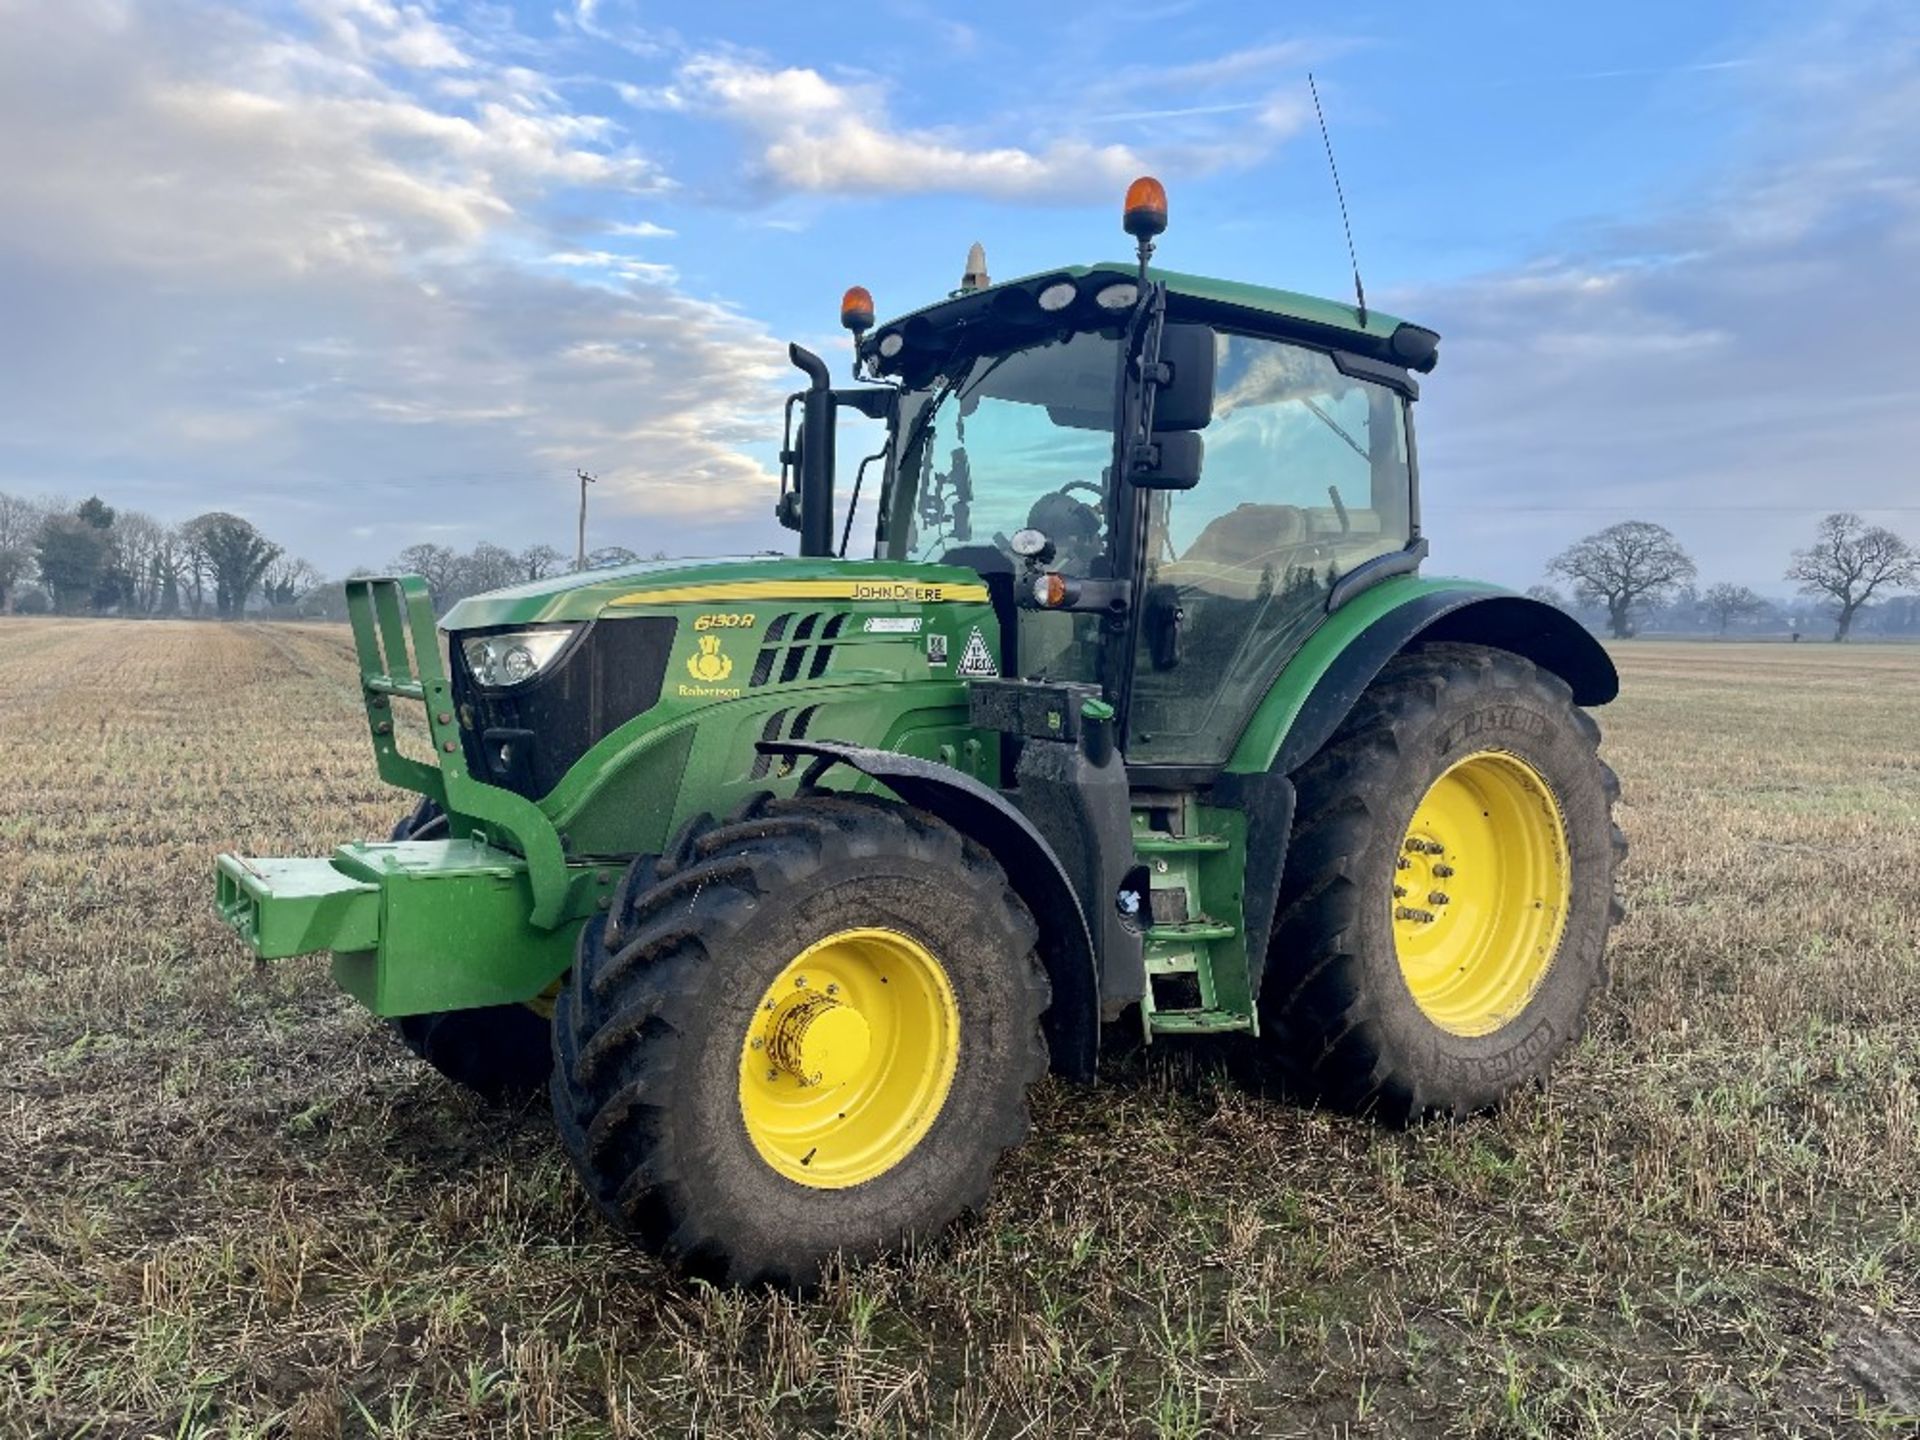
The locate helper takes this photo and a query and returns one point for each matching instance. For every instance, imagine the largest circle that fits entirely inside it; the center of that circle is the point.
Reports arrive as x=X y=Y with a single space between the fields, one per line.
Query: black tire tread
x=1317 y=1016
x=615 y=1044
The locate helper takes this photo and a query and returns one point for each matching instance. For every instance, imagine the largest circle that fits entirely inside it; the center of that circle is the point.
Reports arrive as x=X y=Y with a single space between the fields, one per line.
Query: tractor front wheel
x=500 y=1052
x=808 y=1031
x=1443 y=919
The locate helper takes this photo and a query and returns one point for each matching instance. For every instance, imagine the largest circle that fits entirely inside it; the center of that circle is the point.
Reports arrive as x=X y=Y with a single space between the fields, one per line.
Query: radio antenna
x=1359 y=290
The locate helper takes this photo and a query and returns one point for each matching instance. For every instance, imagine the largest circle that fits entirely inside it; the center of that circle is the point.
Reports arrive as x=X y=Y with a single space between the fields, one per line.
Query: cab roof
x=1332 y=323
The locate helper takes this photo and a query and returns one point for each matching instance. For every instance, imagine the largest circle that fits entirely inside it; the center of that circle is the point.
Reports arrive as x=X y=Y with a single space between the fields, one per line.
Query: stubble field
x=231 y=1205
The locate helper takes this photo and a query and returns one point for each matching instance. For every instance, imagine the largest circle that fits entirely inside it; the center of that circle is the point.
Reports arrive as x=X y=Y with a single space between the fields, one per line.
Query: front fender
x=1072 y=1022
x=1324 y=680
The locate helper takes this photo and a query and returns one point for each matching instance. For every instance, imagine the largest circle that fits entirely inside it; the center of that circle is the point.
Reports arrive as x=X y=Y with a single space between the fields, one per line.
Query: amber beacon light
x=1145 y=213
x=856 y=309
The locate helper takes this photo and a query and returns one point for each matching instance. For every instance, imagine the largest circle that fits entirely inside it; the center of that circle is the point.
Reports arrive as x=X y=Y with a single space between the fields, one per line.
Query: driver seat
x=1249 y=536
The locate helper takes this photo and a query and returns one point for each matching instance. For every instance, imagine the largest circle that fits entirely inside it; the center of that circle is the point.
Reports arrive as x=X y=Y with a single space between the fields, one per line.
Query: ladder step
x=1191 y=931
x=1197 y=1022
x=1172 y=965
x=1157 y=843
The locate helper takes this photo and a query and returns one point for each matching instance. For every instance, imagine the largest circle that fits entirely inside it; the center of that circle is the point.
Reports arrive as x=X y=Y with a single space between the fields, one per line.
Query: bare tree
x=1631 y=565
x=176 y=565
x=1547 y=595
x=486 y=567
x=609 y=557
x=1727 y=603
x=436 y=564
x=287 y=579
x=1848 y=561
x=138 y=541
x=20 y=521
x=537 y=562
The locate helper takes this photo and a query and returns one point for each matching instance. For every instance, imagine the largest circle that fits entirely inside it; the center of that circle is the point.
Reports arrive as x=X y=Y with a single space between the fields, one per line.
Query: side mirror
x=1171 y=462
x=1187 y=360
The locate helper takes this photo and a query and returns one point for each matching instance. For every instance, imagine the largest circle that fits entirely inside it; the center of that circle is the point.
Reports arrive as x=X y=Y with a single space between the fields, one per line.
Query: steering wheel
x=1072 y=524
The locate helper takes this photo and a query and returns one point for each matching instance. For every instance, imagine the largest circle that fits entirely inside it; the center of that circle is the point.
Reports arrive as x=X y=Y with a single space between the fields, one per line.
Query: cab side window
x=1306 y=475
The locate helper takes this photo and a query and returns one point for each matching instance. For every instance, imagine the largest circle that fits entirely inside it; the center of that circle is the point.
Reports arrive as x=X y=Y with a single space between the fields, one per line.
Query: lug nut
x=1407 y=912
x=1402 y=863
x=1437 y=897
x=1399 y=892
x=1443 y=871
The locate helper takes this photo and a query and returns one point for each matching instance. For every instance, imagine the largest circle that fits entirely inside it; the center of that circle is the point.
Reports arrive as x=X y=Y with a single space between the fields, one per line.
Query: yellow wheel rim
x=1480 y=892
x=848 y=1058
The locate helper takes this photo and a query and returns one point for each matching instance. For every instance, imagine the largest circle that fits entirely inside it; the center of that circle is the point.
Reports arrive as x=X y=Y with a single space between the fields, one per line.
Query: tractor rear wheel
x=1442 y=923
x=808 y=1031
x=500 y=1052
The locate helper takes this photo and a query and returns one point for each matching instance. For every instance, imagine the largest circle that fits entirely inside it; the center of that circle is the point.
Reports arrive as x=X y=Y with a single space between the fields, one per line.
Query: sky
x=372 y=272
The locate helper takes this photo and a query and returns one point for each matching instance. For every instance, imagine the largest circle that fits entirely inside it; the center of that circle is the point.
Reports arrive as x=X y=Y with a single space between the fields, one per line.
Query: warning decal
x=976 y=659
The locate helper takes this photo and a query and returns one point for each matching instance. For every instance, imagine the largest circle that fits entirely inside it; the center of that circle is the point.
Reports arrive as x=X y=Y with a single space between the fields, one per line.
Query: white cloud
x=293 y=273
x=379 y=30
x=816 y=135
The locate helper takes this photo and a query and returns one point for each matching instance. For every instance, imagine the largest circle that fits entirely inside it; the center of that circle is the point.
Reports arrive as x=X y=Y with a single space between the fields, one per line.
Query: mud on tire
x=1338 y=1019
x=649 y=1028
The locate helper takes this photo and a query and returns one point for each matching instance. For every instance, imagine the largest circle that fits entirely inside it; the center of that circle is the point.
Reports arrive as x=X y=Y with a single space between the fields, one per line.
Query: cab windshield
x=1019 y=439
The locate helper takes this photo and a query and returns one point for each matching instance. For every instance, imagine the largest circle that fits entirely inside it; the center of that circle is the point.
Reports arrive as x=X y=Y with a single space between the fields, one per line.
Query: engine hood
x=732 y=580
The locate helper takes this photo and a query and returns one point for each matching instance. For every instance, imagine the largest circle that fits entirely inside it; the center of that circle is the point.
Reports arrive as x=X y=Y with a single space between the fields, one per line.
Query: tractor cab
x=1165 y=481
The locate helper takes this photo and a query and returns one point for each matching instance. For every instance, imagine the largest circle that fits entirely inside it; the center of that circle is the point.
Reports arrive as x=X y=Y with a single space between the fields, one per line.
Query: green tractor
x=790 y=877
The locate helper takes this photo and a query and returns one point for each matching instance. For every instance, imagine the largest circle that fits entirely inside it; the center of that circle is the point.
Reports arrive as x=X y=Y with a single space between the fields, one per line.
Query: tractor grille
x=525 y=738
x=796 y=647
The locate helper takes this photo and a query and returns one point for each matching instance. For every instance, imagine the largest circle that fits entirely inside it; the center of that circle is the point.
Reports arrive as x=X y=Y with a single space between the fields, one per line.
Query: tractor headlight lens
x=1117 y=297
x=1057 y=296
x=892 y=344
x=513 y=657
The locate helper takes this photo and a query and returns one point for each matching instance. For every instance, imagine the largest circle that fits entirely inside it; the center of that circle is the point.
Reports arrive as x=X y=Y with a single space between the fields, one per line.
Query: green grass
x=231 y=1205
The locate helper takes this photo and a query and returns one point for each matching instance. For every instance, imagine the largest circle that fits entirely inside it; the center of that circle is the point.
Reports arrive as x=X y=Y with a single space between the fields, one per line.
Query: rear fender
x=1321 y=686
x=1072 y=1022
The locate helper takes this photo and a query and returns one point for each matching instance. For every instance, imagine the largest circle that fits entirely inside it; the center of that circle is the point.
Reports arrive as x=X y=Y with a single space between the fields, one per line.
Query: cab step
x=1158 y=842
x=1199 y=1022
x=1190 y=932
x=1194 y=961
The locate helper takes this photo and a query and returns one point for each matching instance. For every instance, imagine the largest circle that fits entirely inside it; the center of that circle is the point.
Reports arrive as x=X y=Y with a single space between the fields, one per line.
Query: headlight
x=1057 y=296
x=1118 y=296
x=892 y=344
x=514 y=656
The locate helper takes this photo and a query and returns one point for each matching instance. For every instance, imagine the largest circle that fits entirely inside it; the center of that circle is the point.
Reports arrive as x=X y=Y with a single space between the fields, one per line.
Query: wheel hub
x=1481 y=890
x=848 y=1057
x=819 y=1041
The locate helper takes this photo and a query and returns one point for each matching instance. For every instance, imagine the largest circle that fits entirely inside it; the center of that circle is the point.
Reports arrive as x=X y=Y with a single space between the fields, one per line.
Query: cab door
x=1306 y=475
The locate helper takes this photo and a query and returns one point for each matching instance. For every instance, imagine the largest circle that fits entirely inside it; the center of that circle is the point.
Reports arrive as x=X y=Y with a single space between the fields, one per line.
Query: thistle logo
x=710 y=663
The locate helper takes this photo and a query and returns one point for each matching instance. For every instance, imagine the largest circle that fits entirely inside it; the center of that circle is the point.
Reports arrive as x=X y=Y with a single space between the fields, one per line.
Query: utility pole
x=580 y=560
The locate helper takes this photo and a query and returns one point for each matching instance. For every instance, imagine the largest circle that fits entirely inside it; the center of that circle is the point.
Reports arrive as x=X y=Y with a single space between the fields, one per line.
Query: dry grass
x=230 y=1205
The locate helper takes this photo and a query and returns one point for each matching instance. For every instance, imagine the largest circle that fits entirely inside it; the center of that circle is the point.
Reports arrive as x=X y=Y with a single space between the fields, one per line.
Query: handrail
x=397 y=640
